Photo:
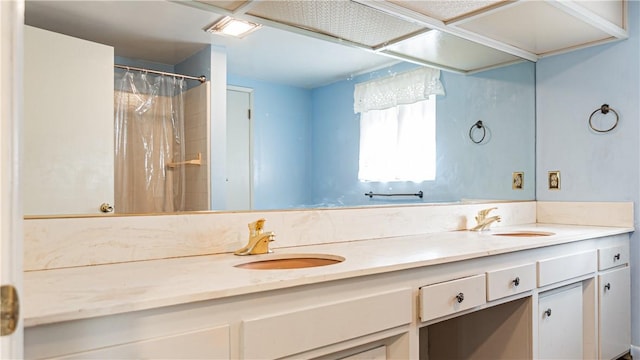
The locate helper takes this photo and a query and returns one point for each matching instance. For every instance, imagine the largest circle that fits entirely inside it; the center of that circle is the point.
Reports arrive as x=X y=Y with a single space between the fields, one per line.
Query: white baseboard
x=635 y=351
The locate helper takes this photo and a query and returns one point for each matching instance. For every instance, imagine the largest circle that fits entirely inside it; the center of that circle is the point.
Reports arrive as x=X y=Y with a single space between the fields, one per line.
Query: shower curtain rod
x=202 y=78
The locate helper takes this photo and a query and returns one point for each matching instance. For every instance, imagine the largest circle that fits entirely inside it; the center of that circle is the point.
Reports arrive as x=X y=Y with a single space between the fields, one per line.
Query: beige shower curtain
x=149 y=140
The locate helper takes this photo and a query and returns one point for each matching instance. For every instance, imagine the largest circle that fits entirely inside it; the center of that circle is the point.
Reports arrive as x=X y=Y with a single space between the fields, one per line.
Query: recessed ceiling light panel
x=233 y=27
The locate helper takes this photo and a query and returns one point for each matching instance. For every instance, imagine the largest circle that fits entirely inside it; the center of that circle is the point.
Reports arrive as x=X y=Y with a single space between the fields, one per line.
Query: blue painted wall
x=196 y=65
x=504 y=99
x=281 y=147
x=120 y=60
x=594 y=167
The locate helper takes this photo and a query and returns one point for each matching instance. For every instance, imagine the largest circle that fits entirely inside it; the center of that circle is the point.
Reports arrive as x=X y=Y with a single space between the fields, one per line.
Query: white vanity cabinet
x=614 y=302
x=325 y=321
x=560 y=323
x=569 y=300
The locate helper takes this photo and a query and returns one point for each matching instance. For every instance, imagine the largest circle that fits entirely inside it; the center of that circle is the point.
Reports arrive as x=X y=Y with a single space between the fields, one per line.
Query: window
x=398 y=126
x=399 y=143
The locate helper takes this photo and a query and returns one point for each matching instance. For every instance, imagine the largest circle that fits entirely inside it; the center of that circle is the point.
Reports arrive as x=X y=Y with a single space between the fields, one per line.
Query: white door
x=239 y=192
x=11 y=25
x=68 y=124
x=560 y=323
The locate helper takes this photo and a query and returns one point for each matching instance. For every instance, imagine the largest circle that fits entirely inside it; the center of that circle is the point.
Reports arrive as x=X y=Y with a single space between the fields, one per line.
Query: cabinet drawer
x=566 y=267
x=613 y=256
x=379 y=353
x=510 y=281
x=212 y=343
x=452 y=296
x=280 y=335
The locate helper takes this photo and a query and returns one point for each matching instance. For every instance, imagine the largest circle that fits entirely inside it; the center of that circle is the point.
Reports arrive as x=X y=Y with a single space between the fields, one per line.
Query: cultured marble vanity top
x=89 y=291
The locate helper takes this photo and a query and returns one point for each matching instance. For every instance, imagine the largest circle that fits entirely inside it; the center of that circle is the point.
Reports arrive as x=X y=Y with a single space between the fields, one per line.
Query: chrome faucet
x=483 y=222
x=258 y=240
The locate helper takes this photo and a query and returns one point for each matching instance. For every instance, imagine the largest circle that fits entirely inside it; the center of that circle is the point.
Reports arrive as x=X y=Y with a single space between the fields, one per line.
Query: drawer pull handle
x=547 y=312
x=616 y=257
x=607 y=286
x=460 y=297
x=516 y=281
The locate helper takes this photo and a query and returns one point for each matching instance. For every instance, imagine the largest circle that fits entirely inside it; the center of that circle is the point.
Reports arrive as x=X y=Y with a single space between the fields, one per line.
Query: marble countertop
x=84 y=292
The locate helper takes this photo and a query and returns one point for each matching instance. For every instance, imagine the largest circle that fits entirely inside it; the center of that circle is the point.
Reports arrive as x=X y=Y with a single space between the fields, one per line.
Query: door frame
x=11 y=217
x=249 y=91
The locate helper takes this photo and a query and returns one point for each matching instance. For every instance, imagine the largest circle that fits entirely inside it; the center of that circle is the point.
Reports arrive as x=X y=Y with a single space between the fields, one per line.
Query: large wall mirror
x=301 y=147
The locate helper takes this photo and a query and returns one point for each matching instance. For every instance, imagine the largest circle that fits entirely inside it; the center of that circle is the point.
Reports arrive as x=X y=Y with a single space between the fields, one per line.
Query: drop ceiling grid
x=341 y=19
x=604 y=9
x=442 y=48
x=534 y=26
x=447 y=9
x=230 y=5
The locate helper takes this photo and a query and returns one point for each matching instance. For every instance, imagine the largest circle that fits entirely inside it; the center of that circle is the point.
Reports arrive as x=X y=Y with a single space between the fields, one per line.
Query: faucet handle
x=482 y=214
x=256 y=226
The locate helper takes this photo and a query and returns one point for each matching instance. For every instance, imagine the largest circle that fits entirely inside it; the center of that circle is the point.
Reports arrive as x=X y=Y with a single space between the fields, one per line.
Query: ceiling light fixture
x=233 y=27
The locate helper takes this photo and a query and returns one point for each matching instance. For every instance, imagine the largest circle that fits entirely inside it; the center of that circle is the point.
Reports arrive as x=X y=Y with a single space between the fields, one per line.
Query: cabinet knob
x=616 y=256
x=516 y=281
x=607 y=286
x=460 y=297
x=547 y=312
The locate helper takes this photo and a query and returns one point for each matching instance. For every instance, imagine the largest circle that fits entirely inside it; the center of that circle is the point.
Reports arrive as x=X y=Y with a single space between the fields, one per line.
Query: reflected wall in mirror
x=307 y=141
x=305 y=134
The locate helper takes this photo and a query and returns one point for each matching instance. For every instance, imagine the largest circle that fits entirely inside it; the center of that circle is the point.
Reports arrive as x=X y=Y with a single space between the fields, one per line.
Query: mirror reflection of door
x=68 y=124
x=239 y=192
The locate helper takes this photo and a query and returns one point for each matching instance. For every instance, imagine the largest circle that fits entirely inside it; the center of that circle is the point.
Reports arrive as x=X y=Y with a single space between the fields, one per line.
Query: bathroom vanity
x=525 y=290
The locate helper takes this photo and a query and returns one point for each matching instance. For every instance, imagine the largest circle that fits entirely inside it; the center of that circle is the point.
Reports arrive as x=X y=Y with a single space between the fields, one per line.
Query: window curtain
x=399 y=143
x=401 y=89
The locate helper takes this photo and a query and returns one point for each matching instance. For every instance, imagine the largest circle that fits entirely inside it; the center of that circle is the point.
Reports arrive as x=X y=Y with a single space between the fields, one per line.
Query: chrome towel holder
x=478 y=125
x=371 y=194
x=604 y=109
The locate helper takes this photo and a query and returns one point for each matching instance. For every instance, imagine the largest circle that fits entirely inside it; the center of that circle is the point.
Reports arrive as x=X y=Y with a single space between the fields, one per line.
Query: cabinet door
x=560 y=323
x=614 y=313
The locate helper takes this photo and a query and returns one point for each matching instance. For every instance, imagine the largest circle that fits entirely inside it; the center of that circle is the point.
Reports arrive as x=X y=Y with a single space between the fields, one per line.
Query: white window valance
x=400 y=89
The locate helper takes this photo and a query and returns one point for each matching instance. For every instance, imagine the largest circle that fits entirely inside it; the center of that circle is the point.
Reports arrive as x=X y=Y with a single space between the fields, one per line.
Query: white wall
x=594 y=167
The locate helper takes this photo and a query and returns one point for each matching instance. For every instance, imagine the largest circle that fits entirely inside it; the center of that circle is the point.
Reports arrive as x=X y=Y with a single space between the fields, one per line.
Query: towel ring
x=603 y=109
x=478 y=125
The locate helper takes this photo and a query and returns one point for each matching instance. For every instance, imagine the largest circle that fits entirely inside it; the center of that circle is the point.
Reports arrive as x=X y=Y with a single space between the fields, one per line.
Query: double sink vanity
x=550 y=281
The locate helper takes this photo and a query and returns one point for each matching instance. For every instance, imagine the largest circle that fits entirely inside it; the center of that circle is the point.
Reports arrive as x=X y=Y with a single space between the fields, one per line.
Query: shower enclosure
x=161 y=146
